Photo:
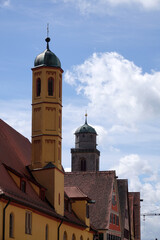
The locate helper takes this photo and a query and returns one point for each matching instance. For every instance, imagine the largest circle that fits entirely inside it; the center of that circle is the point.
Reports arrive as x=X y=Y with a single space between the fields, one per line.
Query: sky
x=110 y=54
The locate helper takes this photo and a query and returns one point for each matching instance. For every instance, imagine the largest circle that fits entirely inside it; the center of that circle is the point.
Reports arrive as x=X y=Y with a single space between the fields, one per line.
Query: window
x=100 y=236
x=114 y=219
x=28 y=223
x=114 y=200
x=87 y=211
x=60 y=88
x=23 y=185
x=117 y=220
x=11 y=225
x=73 y=237
x=50 y=86
x=65 y=236
x=38 y=87
x=46 y=233
x=59 y=199
x=111 y=218
x=83 y=164
x=42 y=194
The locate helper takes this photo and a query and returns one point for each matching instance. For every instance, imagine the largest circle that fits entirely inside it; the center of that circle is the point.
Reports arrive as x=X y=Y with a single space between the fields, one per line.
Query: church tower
x=85 y=155
x=47 y=126
x=46 y=110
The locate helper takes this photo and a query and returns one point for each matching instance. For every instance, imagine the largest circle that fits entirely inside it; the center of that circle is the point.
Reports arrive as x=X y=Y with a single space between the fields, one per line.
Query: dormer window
x=50 y=86
x=23 y=185
x=42 y=194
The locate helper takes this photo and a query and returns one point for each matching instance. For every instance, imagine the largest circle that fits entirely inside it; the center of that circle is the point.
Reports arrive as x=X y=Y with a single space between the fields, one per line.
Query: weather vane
x=47 y=30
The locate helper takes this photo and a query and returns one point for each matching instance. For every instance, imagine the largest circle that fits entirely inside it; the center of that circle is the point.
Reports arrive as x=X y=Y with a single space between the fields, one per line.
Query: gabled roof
x=98 y=186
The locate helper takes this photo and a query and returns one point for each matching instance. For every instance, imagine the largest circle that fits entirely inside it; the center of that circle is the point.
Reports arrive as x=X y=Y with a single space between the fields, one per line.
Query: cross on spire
x=86 y=117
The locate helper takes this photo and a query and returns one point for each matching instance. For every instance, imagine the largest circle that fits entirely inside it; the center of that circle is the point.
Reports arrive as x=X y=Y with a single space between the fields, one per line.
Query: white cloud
x=117 y=89
x=17 y=113
x=4 y=3
x=104 y=6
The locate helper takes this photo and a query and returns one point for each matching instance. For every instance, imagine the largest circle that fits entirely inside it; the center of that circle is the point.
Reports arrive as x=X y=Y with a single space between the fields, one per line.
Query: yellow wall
x=53 y=180
x=79 y=207
x=38 y=226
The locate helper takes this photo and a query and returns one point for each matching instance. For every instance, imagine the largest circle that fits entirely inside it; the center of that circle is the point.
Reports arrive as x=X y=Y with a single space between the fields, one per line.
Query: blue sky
x=110 y=54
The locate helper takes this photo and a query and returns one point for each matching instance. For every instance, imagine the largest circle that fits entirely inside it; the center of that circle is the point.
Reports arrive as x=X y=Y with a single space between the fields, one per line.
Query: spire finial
x=47 y=30
x=47 y=39
x=86 y=117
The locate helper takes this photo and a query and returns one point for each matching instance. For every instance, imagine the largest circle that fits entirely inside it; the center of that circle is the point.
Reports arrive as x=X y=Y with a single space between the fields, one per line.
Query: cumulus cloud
x=17 y=113
x=117 y=88
x=4 y=3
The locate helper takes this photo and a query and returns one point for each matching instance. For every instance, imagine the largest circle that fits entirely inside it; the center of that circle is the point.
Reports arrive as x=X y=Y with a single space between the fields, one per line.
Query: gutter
x=58 y=229
x=4 y=216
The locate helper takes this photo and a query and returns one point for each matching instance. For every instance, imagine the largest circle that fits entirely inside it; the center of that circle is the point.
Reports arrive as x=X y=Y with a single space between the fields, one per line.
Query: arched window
x=73 y=237
x=38 y=87
x=11 y=225
x=83 y=164
x=81 y=238
x=46 y=233
x=65 y=236
x=50 y=86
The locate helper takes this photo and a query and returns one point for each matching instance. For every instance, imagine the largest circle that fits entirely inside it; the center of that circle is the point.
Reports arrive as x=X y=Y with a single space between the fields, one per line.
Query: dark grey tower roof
x=47 y=58
x=85 y=128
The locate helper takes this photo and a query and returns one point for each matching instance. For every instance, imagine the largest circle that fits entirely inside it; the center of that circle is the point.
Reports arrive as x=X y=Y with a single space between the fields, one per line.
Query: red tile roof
x=98 y=186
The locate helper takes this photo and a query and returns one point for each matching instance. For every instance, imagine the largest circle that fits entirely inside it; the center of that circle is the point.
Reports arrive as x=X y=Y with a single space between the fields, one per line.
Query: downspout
x=4 y=216
x=58 y=229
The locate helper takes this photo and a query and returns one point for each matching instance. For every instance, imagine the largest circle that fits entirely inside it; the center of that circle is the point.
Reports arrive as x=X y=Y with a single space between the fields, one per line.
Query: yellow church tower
x=47 y=126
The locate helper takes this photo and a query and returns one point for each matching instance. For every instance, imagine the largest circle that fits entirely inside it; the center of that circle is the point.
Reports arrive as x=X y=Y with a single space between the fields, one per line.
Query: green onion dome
x=85 y=128
x=47 y=58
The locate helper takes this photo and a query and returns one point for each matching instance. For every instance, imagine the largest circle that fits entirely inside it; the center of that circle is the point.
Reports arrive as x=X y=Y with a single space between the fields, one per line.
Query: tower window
x=60 y=88
x=50 y=86
x=83 y=164
x=38 y=87
x=11 y=225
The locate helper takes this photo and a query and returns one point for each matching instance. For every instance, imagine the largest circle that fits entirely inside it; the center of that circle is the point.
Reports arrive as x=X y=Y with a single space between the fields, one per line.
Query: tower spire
x=86 y=117
x=47 y=39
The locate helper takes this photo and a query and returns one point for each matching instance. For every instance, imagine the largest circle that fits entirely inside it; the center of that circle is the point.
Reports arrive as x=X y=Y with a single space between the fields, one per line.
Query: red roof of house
x=15 y=156
x=98 y=186
x=15 y=149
